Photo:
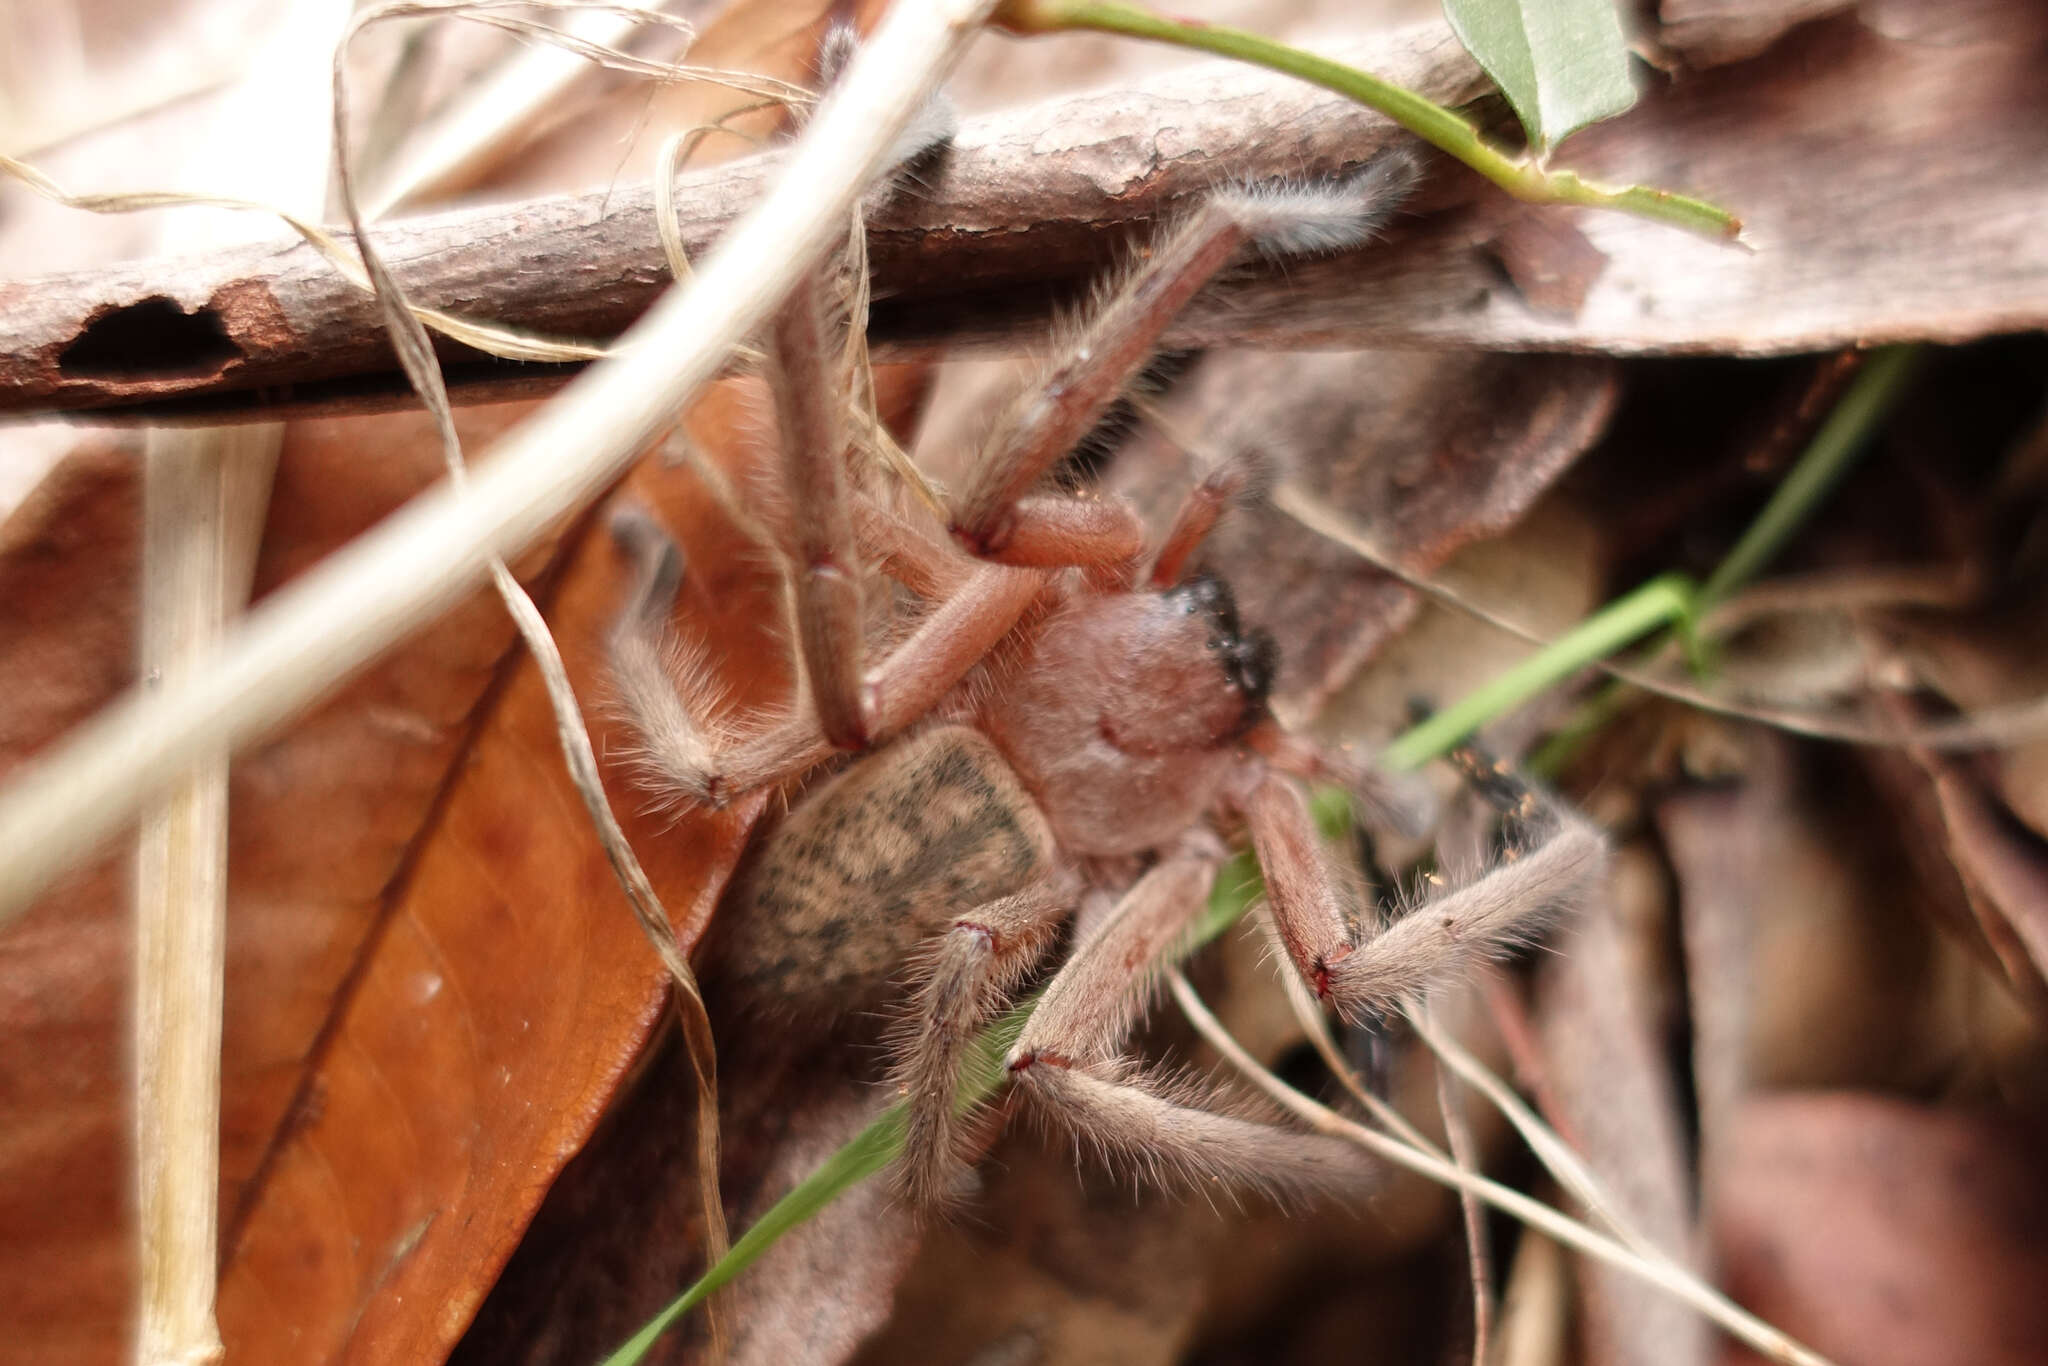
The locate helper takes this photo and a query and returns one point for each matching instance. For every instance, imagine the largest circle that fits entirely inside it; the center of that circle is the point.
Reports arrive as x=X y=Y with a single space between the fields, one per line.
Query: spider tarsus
x=1169 y=1133
x=656 y=558
x=1295 y=218
x=931 y=128
x=1503 y=787
x=1456 y=930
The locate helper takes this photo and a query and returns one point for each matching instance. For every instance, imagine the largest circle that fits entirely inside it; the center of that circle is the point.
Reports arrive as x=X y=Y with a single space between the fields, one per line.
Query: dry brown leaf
x=505 y=999
x=1883 y=1233
x=321 y=824
x=435 y=986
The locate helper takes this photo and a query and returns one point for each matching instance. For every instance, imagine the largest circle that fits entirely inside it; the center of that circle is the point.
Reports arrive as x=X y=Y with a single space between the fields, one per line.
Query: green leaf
x=1562 y=63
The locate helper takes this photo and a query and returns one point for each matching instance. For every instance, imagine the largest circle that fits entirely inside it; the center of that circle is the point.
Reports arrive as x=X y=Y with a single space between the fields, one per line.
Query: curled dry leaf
x=1810 y=934
x=2004 y=866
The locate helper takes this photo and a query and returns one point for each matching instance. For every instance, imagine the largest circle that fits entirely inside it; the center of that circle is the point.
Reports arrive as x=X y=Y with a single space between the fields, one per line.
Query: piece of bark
x=1887 y=185
x=1714 y=835
x=1704 y=33
x=1019 y=197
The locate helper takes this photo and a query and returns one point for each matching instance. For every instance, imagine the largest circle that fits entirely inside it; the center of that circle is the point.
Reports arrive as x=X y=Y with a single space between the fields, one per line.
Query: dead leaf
x=505 y=998
x=1884 y=1233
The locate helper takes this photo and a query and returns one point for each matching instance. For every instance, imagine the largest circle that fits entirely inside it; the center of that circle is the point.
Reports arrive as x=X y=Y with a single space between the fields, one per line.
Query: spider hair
x=1303 y=218
x=1177 y=1130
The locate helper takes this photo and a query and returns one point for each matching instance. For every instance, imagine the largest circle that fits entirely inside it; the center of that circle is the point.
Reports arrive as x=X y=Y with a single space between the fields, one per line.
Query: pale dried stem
x=1478 y=1249
x=316 y=632
x=415 y=352
x=1738 y=1321
x=1556 y=1155
x=1533 y=1311
x=204 y=497
x=1316 y=1024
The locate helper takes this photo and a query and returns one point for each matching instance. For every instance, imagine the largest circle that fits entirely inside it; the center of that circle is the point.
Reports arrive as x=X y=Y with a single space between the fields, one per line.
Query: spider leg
x=965 y=976
x=1445 y=937
x=1112 y=344
x=1195 y=519
x=857 y=706
x=661 y=684
x=1066 y=1060
x=1387 y=800
x=1103 y=536
x=810 y=410
x=949 y=641
x=663 y=689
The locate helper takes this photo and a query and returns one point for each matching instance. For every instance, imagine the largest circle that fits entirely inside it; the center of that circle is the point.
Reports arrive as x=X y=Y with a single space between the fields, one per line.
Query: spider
x=1023 y=710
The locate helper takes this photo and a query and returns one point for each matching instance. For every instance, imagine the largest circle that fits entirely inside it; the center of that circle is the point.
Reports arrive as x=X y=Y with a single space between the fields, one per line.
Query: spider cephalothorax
x=1058 y=715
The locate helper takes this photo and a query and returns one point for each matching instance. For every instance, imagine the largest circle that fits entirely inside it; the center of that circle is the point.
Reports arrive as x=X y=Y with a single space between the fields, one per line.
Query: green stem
x=1660 y=602
x=1856 y=418
x=1519 y=176
x=1876 y=390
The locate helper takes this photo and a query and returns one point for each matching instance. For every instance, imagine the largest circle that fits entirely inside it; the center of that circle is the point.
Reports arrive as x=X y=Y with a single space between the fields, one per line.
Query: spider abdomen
x=872 y=864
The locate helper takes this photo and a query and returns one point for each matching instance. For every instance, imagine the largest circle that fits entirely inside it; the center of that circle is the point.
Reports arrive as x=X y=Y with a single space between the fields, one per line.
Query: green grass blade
x=1873 y=394
x=1660 y=602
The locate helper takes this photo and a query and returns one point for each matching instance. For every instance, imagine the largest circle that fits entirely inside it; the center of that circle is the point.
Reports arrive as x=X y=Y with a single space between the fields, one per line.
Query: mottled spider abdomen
x=873 y=863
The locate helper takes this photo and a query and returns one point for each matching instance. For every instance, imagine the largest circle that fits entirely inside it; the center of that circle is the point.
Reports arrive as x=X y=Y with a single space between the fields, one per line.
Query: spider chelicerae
x=1022 y=709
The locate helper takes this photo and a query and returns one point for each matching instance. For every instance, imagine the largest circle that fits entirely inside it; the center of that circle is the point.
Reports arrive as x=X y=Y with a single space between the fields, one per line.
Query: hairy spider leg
x=810 y=414
x=1400 y=802
x=662 y=686
x=1113 y=342
x=1195 y=519
x=964 y=976
x=1067 y=1060
x=1045 y=421
x=1447 y=935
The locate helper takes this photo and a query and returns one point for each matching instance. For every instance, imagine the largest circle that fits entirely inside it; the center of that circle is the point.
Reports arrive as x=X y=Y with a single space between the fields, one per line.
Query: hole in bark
x=150 y=338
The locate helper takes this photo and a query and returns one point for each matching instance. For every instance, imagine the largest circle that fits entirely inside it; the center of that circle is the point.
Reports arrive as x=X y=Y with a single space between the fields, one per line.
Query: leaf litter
x=1828 y=1006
